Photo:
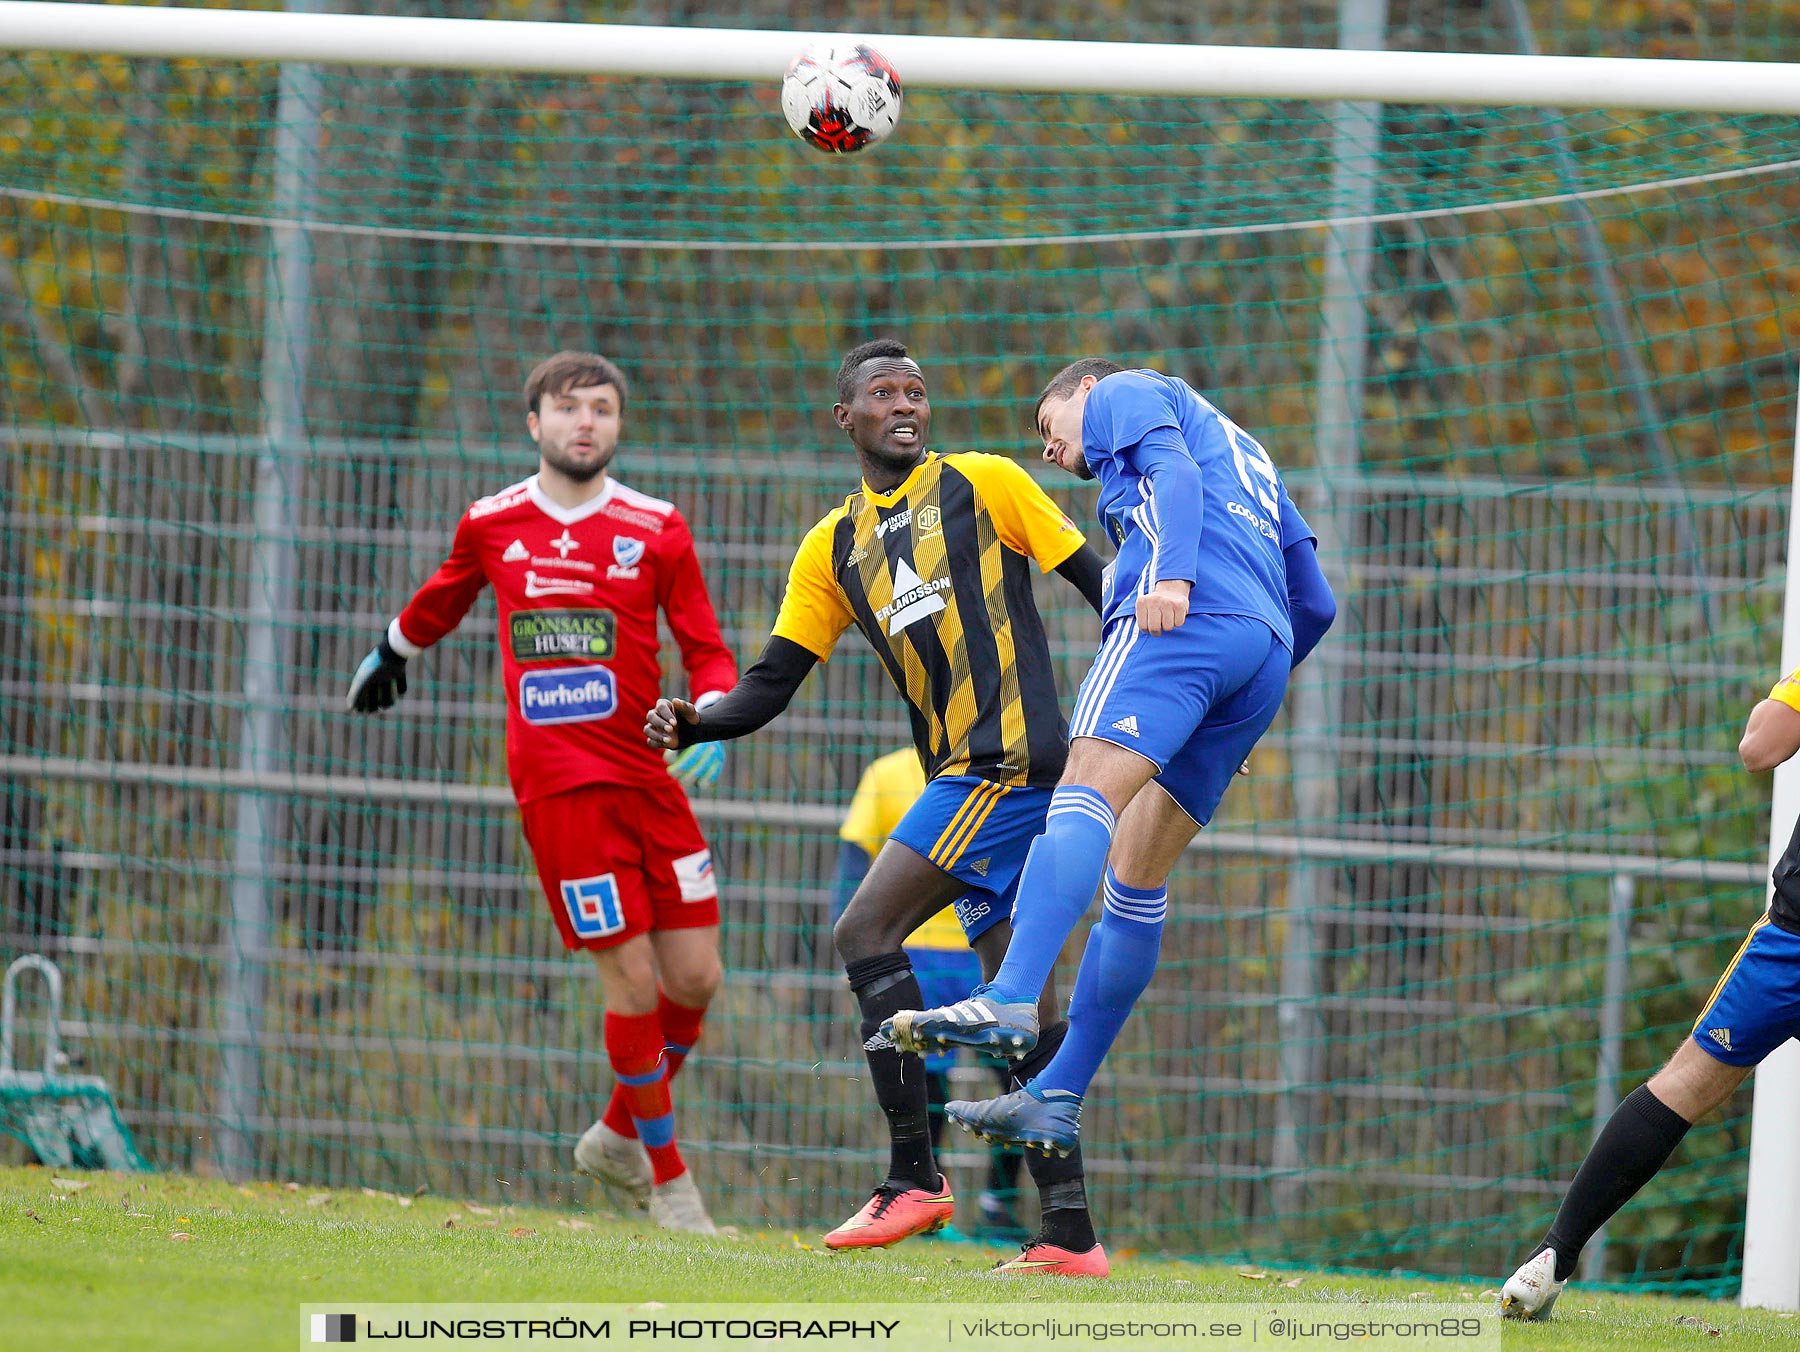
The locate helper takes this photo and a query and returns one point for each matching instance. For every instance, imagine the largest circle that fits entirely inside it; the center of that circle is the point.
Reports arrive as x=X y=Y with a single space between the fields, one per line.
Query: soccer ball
x=841 y=99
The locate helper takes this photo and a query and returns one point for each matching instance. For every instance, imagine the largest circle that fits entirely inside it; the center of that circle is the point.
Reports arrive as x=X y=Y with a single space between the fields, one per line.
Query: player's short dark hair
x=865 y=352
x=568 y=371
x=1065 y=382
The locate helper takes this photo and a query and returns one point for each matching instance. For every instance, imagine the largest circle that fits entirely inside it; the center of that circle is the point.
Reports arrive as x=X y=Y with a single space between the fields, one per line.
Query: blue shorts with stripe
x=1756 y=1005
x=1192 y=701
x=978 y=832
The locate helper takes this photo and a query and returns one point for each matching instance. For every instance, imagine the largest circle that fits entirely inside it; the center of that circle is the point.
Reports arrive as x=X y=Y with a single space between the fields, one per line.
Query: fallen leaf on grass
x=179 y=1234
x=388 y=1196
x=67 y=1184
x=521 y=1231
x=449 y=1222
x=248 y=1192
x=477 y=1209
x=575 y=1225
x=290 y=1187
x=34 y=1216
x=1291 y=1285
x=1254 y=1276
x=319 y=1199
x=1690 y=1321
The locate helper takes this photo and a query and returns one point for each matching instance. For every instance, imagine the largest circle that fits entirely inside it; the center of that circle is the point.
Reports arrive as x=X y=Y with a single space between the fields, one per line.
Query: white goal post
x=925 y=62
x=1772 y=1233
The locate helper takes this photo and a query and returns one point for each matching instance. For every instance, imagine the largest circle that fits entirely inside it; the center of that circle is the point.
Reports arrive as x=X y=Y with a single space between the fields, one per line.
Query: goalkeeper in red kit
x=580 y=565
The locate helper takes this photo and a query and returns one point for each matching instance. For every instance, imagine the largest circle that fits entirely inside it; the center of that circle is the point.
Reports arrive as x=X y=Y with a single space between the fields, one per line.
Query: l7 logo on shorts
x=594 y=909
x=567 y=695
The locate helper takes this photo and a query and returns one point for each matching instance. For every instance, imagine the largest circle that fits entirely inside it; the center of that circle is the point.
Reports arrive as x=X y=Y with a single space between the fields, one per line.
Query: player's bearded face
x=1059 y=423
x=577 y=431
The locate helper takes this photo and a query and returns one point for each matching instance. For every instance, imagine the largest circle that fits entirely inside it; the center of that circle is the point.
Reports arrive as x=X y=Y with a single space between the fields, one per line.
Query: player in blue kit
x=1215 y=595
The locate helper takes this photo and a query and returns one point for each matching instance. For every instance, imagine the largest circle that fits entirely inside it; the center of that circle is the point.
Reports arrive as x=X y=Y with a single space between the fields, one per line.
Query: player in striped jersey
x=932 y=560
x=1753 y=1009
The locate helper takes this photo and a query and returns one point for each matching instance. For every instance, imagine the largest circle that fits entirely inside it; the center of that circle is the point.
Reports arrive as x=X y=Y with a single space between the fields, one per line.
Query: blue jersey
x=1187 y=494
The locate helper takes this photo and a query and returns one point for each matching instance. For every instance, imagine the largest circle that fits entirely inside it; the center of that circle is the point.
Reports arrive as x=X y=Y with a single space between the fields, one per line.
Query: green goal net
x=1529 y=372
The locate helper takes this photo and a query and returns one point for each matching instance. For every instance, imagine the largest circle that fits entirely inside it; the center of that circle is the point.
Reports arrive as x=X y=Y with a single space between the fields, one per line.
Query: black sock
x=1636 y=1141
x=937 y=1094
x=1004 y=1161
x=884 y=985
x=1061 y=1182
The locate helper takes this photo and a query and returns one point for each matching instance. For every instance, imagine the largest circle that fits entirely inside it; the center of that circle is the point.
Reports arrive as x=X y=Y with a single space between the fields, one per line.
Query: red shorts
x=619 y=861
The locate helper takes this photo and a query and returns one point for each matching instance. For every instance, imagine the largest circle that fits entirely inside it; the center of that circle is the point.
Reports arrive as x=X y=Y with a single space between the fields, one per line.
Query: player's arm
x=1178 y=505
x=711 y=669
x=1311 y=606
x=1084 y=571
x=1772 y=735
x=760 y=694
x=1133 y=419
x=813 y=614
x=435 y=609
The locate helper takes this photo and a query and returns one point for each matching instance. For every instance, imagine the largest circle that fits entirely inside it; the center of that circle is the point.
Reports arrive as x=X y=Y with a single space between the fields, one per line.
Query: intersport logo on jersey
x=567 y=695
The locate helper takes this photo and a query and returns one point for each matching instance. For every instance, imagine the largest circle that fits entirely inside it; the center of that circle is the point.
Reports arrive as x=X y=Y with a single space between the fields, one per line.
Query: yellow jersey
x=936 y=574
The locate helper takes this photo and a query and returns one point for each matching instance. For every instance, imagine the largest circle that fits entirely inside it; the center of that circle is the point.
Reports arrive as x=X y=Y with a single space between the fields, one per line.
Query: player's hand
x=1163 y=607
x=380 y=679
x=699 y=765
x=663 y=724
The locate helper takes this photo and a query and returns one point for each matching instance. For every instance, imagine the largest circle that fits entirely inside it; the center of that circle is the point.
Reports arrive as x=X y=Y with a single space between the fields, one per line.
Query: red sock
x=680 y=1031
x=634 y=1047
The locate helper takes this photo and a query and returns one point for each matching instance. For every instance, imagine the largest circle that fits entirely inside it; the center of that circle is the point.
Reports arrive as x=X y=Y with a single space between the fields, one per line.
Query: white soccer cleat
x=618 y=1161
x=676 y=1205
x=1532 y=1290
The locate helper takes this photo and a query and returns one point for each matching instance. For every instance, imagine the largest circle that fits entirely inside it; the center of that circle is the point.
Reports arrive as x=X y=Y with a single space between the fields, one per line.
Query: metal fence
x=1536 y=851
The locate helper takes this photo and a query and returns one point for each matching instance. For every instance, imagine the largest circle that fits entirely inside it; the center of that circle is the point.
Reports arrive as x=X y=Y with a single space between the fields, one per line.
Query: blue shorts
x=1756 y=1005
x=977 y=832
x=946 y=975
x=1192 y=701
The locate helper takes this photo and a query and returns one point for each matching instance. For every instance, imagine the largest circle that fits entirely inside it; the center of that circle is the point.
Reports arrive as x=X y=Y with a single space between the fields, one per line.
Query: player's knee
x=628 y=976
x=695 y=984
x=853 y=939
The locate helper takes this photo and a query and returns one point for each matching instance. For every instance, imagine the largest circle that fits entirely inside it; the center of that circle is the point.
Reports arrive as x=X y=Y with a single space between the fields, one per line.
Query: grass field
x=106 y=1261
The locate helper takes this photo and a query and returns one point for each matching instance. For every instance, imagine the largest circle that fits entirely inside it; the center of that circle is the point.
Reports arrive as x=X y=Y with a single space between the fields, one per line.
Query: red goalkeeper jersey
x=578 y=591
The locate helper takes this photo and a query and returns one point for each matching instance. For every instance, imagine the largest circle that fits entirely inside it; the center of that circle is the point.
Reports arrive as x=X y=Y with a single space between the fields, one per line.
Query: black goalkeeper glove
x=379 y=680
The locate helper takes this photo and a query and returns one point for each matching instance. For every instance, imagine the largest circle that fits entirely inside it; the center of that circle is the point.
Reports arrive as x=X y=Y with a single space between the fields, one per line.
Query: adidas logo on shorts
x=1722 y=1036
x=1127 y=725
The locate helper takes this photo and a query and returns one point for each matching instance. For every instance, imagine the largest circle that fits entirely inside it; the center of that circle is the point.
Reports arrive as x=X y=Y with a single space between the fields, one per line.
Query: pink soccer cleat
x=894 y=1214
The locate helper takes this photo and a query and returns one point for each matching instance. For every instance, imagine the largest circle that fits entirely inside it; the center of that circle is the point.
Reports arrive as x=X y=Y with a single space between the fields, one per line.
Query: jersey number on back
x=1254 y=468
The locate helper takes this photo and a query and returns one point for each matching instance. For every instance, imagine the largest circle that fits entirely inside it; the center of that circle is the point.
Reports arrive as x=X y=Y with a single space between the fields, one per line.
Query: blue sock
x=1058 y=882
x=1117 y=965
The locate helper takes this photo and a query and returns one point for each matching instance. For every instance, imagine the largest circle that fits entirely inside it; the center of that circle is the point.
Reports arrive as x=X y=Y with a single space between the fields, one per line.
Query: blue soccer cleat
x=981 y=1022
x=1050 y=1125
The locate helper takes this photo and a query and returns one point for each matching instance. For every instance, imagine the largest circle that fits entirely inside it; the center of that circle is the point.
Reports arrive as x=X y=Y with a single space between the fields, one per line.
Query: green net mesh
x=259 y=352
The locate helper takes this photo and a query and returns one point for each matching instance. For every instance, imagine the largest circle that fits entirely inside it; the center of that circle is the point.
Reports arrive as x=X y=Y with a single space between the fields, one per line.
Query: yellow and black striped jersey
x=937 y=576
x=1784 y=899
